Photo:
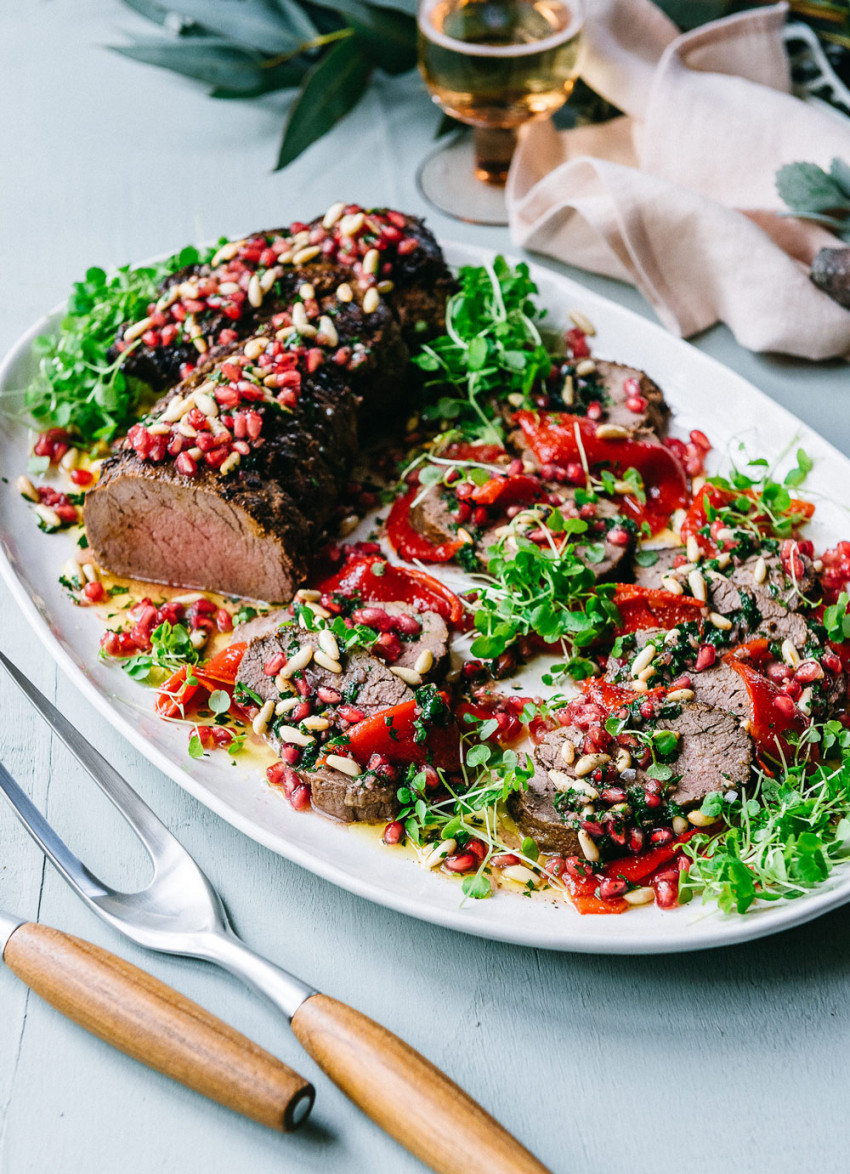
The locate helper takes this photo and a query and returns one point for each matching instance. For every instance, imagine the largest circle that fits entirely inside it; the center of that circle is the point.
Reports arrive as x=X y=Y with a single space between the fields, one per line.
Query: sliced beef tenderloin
x=631 y=399
x=262 y=625
x=432 y=637
x=361 y=800
x=652 y=576
x=769 y=608
x=181 y=504
x=534 y=809
x=249 y=281
x=715 y=753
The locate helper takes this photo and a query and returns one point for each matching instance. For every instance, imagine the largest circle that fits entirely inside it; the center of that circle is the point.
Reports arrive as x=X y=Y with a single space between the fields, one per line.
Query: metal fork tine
x=71 y=867
x=153 y=833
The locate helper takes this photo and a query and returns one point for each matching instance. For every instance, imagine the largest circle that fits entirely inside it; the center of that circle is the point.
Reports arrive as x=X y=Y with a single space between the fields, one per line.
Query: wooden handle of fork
x=406 y=1095
x=151 y=1022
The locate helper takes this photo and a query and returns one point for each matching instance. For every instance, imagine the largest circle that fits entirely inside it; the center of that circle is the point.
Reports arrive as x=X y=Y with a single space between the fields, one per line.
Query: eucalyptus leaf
x=217 y=63
x=256 y=24
x=332 y=88
x=287 y=75
x=387 y=35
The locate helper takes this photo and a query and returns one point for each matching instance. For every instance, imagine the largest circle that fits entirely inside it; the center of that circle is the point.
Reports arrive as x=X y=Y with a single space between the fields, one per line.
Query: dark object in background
x=831 y=273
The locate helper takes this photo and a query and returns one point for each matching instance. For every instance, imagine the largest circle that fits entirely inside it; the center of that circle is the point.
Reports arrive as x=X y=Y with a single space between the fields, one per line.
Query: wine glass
x=493 y=64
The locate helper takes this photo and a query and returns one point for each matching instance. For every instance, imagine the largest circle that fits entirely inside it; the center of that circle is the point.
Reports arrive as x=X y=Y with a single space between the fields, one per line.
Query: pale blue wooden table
x=734 y=1060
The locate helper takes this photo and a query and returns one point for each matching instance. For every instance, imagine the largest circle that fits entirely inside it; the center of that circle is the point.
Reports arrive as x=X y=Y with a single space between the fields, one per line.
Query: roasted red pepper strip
x=175 y=694
x=391 y=733
x=610 y=696
x=716 y=497
x=510 y=726
x=648 y=607
x=409 y=543
x=636 y=868
x=516 y=489
x=551 y=436
x=767 y=724
x=374 y=580
x=484 y=453
x=588 y=903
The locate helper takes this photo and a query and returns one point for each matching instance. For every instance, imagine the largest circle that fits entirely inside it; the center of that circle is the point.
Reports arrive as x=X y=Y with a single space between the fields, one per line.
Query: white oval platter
x=702 y=393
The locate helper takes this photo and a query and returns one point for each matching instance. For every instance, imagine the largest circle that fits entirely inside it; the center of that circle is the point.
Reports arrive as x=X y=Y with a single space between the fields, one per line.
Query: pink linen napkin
x=678 y=197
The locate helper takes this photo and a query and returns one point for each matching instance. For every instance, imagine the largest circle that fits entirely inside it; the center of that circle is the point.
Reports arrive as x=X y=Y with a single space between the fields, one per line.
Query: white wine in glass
x=493 y=64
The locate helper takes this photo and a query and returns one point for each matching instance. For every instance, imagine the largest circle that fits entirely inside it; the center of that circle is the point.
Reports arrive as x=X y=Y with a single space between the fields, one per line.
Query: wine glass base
x=446 y=178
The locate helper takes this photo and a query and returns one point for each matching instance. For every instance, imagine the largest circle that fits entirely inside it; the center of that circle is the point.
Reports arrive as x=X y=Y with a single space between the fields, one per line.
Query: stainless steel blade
x=8 y=924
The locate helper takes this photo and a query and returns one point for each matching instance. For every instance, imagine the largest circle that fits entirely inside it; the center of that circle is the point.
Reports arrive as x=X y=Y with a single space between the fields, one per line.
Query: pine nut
x=226 y=253
x=644 y=895
x=333 y=214
x=50 y=518
x=723 y=559
x=351 y=224
x=255 y=292
x=680 y=824
x=790 y=654
x=520 y=874
x=568 y=391
x=645 y=674
x=317 y=609
x=299 y=317
x=590 y=762
x=817 y=566
x=582 y=322
x=371 y=300
x=308 y=595
x=206 y=404
x=229 y=463
x=328 y=644
x=371 y=262
x=638 y=686
x=70 y=459
x=692 y=549
x=307 y=292
x=297 y=662
x=327 y=331
x=611 y=432
x=344 y=292
x=438 y=853
x=515 y=399
x=645 y=657
x=562 y=781
x=568 y=752
x=198 y=638
x=26 y=488
x=348 y=525
x=261 y=722
x=585 y=367
x=325 y=662
x=672 y=637
x=672 y=585
x=623 y=760
x=178 y=408
x=287 y=704
x=725 y=534
x=200 y=345
x=229 y=287
x=294 y=736
x=424 y=662
x=72 y=572
x=269 y=278
x=186 y=430
x=138 y=329
x=300 y=240
x=465 y=537
x=407 y=675
x=90 y=573
x=385 y=287
x=680 y=695
x=760 y=570
x=696 y=582
x=701 y=821
x=719 y=621
x=805 y=702
x=305 y=255
x=316 y=723
x=588 y=848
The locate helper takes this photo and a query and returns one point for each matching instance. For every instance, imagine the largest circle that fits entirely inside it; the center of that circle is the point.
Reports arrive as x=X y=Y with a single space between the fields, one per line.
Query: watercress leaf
x=478 y=887
x=196 y=750
x=219 y=701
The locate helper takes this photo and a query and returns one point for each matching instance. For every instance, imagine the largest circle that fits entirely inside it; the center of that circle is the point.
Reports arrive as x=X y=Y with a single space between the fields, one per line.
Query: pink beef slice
x=352 y=800
x=249 y=533
x=614 y=377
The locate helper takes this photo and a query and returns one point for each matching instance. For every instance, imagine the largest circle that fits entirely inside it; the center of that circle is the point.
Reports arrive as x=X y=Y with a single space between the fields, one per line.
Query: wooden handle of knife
x=406 y=1095
x=151 y=1022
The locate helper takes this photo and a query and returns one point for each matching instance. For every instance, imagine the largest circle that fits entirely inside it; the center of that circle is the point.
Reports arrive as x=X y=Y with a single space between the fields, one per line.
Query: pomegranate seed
x=666 y=894
x=388 y=646
x=809 y=671
x=792 y=689
x=662 y=835
x=290 y=755
x=300 y=712
x=831 y=661
x=186 y=465
x=432 y=779
x=407 y=625
x=351 y=714
x=461 y=863
x=300 y=798
x=611 y=889
x=779 y=672
x=505 y=860
x=683 y=682
x=477 y=849
x=274 y=664
x=619 y=536
x=393 y=832
x=329 y=696
x=555 y=866
x=577 y=868
x=784 y=705
x=706 y=657
x=594 y=411
x=94 y=592
x=636 y=840
x=82 y=476
x=637 y=404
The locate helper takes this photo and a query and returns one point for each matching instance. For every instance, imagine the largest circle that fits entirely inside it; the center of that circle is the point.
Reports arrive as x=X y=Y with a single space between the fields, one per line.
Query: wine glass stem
x=494 y=147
